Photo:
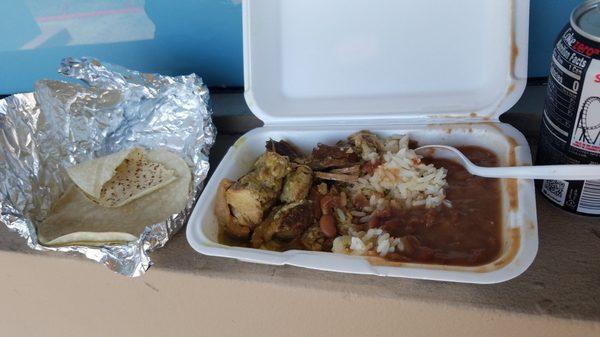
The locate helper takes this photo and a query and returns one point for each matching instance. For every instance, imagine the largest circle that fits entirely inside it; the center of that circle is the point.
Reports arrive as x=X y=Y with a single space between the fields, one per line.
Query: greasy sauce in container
x=512 y=185
x=515 y=240
x=227 y=240
x=467 y=234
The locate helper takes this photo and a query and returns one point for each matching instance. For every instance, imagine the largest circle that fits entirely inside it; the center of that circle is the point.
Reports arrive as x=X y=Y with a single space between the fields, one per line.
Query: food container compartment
x=318 y=71
x=518 y=202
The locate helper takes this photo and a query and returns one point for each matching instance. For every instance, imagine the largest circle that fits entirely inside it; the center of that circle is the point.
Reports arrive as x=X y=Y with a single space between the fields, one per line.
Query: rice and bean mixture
x=397 y=179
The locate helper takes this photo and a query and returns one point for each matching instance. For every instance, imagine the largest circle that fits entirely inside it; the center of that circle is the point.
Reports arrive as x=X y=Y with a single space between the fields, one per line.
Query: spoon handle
x=552 y=172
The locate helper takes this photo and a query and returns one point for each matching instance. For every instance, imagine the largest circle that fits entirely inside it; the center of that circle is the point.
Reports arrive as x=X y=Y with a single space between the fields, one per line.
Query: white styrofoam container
x=317 y=71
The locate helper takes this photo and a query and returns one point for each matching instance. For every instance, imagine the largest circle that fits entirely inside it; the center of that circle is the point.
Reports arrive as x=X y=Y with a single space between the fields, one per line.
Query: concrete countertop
x=558 y=295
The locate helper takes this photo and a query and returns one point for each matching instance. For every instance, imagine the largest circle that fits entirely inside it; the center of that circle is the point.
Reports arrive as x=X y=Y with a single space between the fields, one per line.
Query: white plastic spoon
x=562 y=172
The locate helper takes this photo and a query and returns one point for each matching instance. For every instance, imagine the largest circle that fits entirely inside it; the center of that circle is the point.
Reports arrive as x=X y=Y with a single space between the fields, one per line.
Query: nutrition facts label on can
x=566 y=73
x=572 y=114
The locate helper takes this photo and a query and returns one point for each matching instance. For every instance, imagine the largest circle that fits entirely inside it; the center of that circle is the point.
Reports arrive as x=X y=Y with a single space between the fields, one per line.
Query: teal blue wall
x=548 y=17
x=171 y=37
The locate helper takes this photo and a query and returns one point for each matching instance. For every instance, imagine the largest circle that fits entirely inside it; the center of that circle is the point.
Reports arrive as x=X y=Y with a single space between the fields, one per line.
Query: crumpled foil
x=62 y=124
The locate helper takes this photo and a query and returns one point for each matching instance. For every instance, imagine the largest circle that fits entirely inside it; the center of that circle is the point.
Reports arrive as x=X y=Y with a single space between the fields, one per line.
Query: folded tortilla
x=114 y=198
x=120 y=178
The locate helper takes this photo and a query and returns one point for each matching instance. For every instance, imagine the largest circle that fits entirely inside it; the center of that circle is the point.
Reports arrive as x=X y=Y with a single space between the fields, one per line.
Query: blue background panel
x=170 y=37
x=548 y=18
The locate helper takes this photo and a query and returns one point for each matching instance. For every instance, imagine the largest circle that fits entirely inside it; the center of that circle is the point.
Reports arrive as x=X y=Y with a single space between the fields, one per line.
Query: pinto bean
x=327 y=224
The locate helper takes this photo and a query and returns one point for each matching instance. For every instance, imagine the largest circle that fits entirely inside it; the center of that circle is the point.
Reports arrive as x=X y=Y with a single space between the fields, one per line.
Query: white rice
x=359 y=243
x=402 y=176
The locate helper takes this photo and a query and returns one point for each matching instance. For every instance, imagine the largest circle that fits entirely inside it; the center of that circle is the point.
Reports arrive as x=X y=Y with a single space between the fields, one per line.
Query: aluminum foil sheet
x=62 y=124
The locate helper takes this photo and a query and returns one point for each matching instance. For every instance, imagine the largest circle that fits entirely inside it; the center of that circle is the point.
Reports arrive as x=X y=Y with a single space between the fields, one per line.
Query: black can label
x=570 y=132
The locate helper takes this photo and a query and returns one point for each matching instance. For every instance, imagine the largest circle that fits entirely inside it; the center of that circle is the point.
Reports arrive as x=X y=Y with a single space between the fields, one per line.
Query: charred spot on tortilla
x=121 y=177
x=141 y=177
x=114 y=198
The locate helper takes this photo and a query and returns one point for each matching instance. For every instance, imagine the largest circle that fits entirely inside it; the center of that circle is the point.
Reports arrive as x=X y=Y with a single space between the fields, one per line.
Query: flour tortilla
x=117 y=179
x=77 y=219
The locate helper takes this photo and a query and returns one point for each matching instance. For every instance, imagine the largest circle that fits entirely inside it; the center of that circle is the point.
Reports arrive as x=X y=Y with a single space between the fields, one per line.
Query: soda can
x=570 y=131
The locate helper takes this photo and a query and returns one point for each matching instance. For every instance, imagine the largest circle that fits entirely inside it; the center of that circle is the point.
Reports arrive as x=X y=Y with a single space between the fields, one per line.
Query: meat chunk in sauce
x=314 y=239
x=297 y=184
x=284 y=223
x=284 y=148
x=224 y=216
x=255 y=193
x=366 y=144
x=326 y=157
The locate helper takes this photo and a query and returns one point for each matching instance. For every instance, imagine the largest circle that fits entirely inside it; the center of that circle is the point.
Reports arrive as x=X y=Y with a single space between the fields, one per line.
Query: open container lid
x=344 y=61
